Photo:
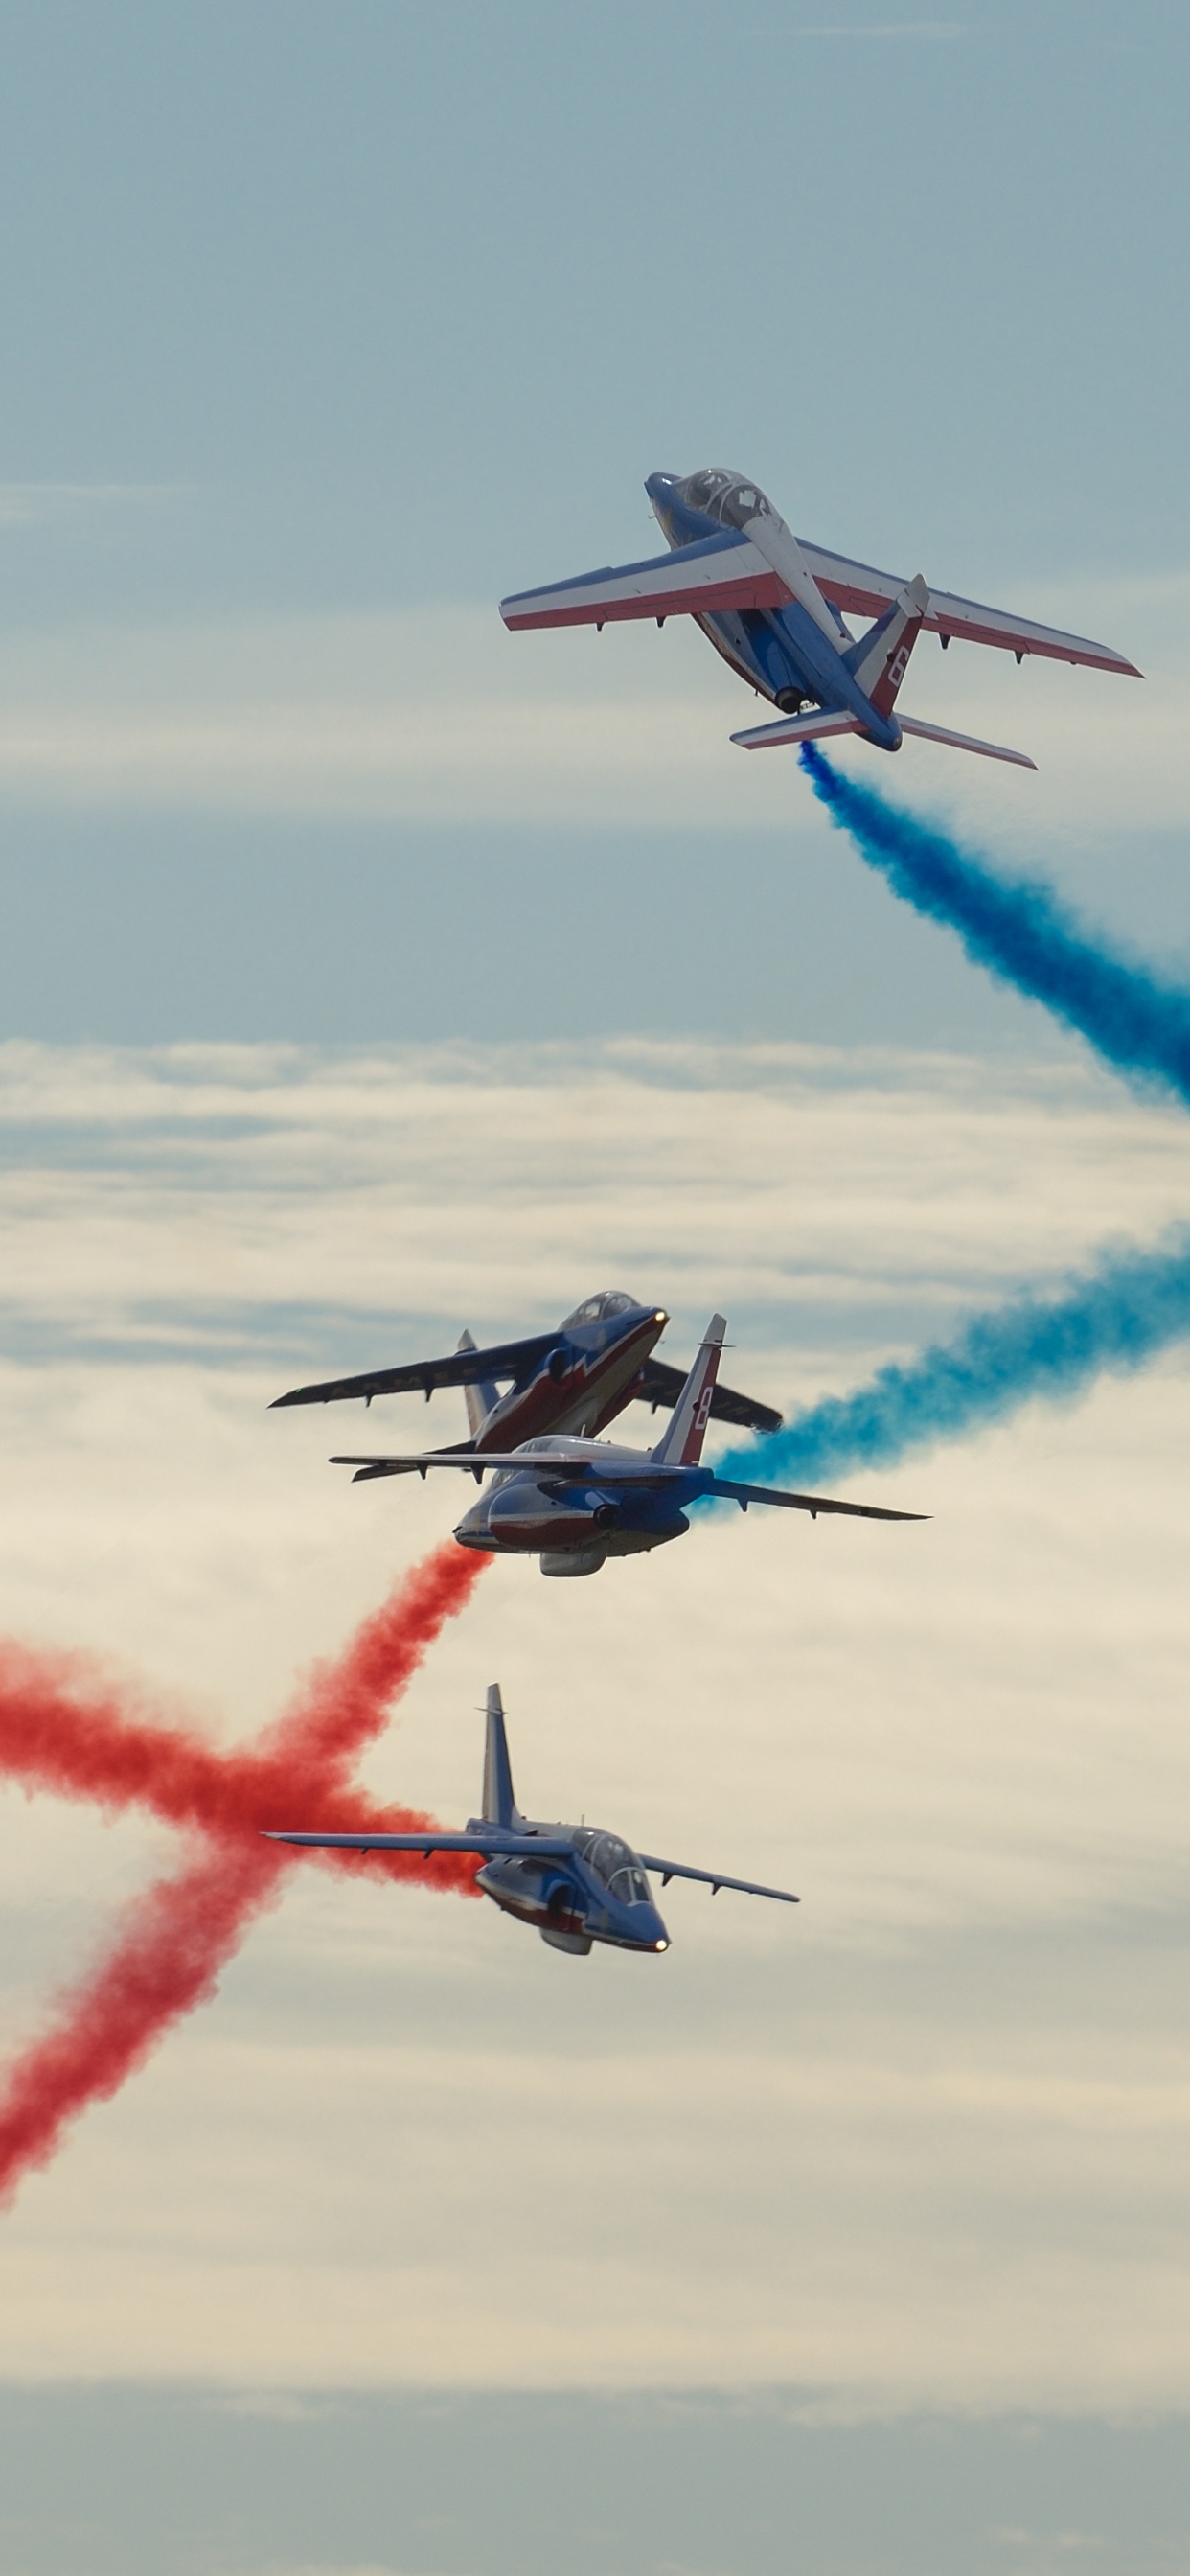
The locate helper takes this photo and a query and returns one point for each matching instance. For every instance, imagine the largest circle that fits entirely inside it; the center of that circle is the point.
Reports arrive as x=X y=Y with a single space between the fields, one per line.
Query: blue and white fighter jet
x=573 y=1883
x=573 y=1502
x=773 y=605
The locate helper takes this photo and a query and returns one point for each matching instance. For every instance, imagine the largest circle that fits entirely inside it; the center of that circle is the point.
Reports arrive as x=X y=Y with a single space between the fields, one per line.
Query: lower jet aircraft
x=574 y=1502
x=773 y=605
x=575 y=1884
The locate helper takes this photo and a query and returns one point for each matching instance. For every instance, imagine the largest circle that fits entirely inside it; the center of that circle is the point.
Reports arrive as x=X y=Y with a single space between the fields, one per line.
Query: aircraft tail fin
x=881 y=658
x=499 y=1803
x=681 y=1443
x=483 y=1397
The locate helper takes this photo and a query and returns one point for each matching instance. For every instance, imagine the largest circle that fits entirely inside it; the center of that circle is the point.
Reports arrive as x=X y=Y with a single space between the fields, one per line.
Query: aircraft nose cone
x=659 y=486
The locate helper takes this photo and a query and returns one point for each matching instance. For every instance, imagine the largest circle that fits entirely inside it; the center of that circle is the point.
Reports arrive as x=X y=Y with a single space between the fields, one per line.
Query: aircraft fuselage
x=792 y=655
x=599 y=1892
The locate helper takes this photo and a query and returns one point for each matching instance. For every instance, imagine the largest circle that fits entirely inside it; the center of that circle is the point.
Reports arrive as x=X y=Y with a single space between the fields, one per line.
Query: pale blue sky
x=311 y=312
x=322 y=327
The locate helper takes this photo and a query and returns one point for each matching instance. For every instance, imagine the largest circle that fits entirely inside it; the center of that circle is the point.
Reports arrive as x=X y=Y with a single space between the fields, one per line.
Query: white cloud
x=922 y=2142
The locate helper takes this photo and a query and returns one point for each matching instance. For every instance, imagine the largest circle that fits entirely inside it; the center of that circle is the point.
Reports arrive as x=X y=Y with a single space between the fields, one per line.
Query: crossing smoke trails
x=1112 y=1319
x=63 y=1730
x=1019 y=932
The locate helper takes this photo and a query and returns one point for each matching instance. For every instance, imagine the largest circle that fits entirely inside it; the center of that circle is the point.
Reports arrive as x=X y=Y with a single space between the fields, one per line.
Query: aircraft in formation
x=573 y=1883
x=773 y=605
x=577 y=1377
x=562 y=1495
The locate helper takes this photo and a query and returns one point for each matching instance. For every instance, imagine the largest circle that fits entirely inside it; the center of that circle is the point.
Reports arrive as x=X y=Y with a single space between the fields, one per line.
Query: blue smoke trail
x=1112 y=1319
x=1018 y=931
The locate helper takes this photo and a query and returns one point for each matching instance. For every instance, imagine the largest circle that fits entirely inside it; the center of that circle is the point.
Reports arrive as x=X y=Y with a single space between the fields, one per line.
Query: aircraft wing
x=534 y=1846
x=714 y=1878
x=723 y=571
x=812 y=1503
x=660 y=1384
x=420 y=1377
x=860 y=587
x=549 y=1468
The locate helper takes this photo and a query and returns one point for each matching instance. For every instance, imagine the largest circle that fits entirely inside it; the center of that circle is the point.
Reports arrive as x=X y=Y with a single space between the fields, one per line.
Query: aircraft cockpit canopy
x=595 y=1310
x=617 y=1865
x=730 y=498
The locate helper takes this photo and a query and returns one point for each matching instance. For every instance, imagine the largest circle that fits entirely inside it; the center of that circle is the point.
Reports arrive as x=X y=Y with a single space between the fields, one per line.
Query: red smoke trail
x=64 y=1730
x=58 y=1733
x=166 y=1959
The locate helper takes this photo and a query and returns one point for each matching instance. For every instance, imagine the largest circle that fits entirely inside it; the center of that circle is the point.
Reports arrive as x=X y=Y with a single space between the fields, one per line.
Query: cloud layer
x=928 y=2144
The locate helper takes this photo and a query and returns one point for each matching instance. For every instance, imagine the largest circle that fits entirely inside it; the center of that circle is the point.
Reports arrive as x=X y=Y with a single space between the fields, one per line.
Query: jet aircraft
x=576 y=1378
x=772 y=604
x=576 y=1884
x=573 y=1502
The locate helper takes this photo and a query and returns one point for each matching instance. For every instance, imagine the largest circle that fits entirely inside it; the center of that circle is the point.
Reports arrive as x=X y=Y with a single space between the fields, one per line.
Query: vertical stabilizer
x=682 y=1444
x=483 y=1397
x=499 y=1804
x=879 y=662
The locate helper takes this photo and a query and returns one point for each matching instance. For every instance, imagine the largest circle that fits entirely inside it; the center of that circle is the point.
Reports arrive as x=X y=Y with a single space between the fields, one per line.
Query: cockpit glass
x=610 y=1301
x=604 y=1853
x=730 y=498
x=701 y=491
x=743 y=503
x=630 y=1886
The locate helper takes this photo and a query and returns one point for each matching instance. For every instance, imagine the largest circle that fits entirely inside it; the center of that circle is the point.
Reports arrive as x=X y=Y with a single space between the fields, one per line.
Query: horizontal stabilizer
x=964 y=742
x=797 y=729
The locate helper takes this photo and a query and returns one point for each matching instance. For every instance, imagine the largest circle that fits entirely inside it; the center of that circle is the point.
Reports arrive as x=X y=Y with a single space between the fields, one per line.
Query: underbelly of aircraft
x=570 y=1533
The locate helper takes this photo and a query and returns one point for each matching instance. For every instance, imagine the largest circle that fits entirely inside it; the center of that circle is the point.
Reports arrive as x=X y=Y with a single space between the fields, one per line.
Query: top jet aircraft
x=773 y=605
x=576 y=1377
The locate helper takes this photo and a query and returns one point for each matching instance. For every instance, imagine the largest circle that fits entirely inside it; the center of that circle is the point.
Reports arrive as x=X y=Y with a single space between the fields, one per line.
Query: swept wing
x=459 y=1368
x=492 y=1843
x=553 y=1467
x=720 y=572
x=728 y=572
x=713 y=1878
x=865 y=591
x=661 y=1384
